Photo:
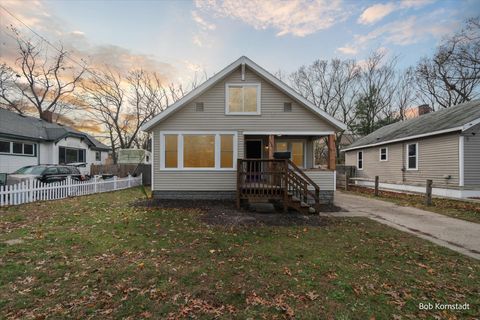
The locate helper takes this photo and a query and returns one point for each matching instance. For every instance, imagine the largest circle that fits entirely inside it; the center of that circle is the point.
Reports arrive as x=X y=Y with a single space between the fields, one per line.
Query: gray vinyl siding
x=438 y=156
x=323 y=178
x=472 y=157
x=272 y=118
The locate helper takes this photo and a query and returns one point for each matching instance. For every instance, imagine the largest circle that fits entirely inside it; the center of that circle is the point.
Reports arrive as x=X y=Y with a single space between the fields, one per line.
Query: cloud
x=403 y=32
x=296 y=17
x=202 y=22
x=379 y=11
x=376 y=13
x=349 y=50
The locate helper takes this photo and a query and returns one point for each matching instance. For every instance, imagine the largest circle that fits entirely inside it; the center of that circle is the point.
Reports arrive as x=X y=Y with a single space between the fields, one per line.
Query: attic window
x=287 y=107
x=199 y=107
x=242 y=99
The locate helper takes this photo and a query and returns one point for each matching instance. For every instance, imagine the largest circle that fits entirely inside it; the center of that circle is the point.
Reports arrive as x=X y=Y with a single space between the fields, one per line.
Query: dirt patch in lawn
x=225 y=213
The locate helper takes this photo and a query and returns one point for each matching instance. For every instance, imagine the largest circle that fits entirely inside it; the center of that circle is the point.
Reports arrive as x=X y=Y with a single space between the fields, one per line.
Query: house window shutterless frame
x=383 y=153
x=242 y=99
x=18 y=148
x=360 y=160
x=412 y=156
x=211 y=145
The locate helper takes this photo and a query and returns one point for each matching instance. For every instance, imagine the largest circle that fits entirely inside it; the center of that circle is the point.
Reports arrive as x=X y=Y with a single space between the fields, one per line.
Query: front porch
x=301 y=182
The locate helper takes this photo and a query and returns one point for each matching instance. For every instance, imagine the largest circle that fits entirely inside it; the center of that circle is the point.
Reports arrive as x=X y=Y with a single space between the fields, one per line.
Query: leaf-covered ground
x=466 y=210
x=100 y=257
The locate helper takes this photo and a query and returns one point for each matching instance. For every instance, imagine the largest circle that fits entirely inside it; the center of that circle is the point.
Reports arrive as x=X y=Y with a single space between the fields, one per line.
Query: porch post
x=271 y=146
x=332 y=152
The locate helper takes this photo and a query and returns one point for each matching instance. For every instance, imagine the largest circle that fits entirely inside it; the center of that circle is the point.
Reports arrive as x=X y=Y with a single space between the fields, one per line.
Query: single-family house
x=219 y=141
x=26 y=140
x=442 y=146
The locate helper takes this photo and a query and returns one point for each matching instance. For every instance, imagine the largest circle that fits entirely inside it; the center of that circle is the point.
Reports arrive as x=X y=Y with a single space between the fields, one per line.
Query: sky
x=178 y=38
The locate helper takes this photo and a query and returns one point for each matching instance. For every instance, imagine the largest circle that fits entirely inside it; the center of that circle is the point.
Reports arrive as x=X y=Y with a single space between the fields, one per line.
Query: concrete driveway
x=458 y=235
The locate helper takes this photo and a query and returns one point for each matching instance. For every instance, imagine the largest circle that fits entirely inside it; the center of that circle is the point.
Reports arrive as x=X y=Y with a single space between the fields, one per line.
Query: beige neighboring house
x=242 y=112
x=443 y=146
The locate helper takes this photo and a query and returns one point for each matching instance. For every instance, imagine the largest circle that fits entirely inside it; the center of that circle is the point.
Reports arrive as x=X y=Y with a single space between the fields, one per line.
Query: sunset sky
x=177 y=38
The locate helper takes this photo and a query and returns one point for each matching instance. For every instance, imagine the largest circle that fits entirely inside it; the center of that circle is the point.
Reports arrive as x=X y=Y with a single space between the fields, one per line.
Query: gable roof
x=226 y=71
x=457 y=118
x=19 y=126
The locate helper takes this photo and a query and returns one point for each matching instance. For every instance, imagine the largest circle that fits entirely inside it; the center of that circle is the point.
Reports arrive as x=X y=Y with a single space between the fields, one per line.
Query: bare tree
x=404 y=96
x=331 y=86
x=378 y=83
x=38 y=82
x=452 y=75
x=123 y=104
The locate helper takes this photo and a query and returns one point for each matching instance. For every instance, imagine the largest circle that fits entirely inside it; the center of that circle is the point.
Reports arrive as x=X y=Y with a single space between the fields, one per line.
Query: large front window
x=17 y=148
x=70 y=155
x=198 y=150
x=243 y=99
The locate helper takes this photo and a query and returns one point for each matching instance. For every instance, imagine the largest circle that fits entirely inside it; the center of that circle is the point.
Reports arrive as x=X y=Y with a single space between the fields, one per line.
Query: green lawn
x=101 y=257
x=465 y=210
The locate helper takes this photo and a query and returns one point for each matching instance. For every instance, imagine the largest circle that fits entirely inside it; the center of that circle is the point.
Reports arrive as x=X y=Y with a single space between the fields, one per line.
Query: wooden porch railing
x=274 y=179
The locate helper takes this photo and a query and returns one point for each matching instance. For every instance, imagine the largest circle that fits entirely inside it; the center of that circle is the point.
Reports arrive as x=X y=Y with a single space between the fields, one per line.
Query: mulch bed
x=225 y=213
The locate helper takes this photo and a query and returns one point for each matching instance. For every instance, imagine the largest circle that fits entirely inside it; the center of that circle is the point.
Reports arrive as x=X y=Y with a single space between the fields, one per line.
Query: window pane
x=98 y=156
x=28 y=148
x=235 y=100
x=81 y=155
x=5 y=146
x=17 y=147
x=250 y=99
x=226 y=147
x=61 y=155
x=297 y=153
x=360 y=155
x=199 y=151
x=71 y=155
x=281 y=147
x=412 y=150
x=171 y=154
x=412 y=162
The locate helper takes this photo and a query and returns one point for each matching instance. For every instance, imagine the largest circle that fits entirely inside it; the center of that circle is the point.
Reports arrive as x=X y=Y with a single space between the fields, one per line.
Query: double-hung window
x=412 y=156
x=198 y=150
x=242 y=99
x=360 y=160
x=383 y=154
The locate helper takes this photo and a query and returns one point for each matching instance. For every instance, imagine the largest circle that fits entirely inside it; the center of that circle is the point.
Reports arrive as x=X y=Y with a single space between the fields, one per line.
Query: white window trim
x=363 y=160
x=416 y=157
x=259 y=90
x=181 y=134
x=380 y=153
x=289 y=147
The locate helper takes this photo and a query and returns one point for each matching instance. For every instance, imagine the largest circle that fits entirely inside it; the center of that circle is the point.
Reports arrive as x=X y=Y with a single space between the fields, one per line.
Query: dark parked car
x=44 y=173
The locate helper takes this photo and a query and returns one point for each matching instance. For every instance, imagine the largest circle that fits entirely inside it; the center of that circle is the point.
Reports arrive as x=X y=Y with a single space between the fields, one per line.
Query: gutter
x=434 y=133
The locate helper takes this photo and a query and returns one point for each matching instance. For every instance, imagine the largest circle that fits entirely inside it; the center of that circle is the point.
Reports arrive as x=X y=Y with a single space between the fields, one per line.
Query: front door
x=253 y=150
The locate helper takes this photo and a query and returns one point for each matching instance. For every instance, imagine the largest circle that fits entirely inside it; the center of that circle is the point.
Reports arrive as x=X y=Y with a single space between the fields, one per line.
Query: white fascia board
x=434 y=133
x=289 y=133
x=271 y=78
x=470 y=124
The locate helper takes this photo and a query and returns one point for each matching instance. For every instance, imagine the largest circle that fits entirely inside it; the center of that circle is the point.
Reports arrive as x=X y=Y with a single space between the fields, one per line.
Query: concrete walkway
x=459 y=235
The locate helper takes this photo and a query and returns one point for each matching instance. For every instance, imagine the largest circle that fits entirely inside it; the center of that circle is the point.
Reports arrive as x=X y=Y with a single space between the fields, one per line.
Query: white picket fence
x=34 y=190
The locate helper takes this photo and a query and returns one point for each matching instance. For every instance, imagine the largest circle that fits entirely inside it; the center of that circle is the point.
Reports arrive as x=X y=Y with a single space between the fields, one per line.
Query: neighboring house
x=26 y=140
x=133 y=156
x=241 y=112
x=443 y=146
